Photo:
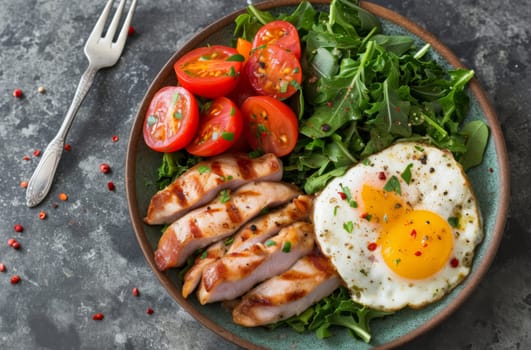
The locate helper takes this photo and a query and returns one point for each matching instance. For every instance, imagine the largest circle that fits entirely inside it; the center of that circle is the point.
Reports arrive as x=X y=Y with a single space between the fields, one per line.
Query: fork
x=102 y=52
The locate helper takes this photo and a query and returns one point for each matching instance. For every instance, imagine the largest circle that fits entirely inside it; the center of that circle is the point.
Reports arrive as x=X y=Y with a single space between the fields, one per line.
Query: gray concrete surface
x=83 y=258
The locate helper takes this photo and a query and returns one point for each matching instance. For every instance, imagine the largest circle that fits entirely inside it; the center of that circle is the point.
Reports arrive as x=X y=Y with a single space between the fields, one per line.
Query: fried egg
x=401 y=227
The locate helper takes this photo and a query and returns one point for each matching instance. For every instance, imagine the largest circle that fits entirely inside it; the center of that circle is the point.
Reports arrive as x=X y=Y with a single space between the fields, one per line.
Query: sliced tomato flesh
x=280 y=33
x=270 y=125
x=171 y=119
x=220 y=128
x=273 y=71
x=211 y=71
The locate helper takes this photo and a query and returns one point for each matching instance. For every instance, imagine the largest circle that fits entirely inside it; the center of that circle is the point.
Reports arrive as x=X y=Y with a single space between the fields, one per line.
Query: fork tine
x=120 y=42
x=100 y=24
x=114 y=23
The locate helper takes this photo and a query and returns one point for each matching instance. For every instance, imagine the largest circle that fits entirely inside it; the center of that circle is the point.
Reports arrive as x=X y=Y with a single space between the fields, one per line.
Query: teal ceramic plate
x=489 y=180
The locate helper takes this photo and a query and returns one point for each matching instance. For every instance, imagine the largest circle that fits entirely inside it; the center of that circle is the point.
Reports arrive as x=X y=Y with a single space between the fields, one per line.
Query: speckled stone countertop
x=84 y=258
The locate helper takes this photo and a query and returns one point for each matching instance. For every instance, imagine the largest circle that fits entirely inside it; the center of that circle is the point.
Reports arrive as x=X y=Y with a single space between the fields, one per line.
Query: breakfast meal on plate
x=314 y=173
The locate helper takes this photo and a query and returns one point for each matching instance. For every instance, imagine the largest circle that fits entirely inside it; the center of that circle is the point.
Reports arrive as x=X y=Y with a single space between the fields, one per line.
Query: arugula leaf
x=476 y=133
x=337 y=309
x=172 y=166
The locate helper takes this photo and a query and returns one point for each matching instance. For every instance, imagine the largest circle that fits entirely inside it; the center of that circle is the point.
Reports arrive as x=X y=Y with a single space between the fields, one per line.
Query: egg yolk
x=415 y=244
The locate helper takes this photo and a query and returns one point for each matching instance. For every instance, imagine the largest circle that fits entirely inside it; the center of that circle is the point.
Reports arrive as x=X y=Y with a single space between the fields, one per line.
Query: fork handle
x=41 y=181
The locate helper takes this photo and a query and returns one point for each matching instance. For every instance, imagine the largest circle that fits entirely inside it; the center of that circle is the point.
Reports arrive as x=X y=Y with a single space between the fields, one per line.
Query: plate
x=490 y=181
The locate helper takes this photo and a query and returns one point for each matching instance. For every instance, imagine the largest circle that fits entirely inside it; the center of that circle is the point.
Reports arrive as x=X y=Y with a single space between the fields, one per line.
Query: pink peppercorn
x=149 y=311
x=98 y=316
x=15 y=279
x=18 y=93
x=110 y=186
x=18 y=228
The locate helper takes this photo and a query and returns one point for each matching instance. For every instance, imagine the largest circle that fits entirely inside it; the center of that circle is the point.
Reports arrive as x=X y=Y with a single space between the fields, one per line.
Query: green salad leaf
x=335 y=311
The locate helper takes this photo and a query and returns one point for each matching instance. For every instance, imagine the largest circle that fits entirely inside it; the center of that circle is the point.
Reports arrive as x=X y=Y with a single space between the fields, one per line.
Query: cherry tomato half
x=269 y=125
x=209 y=71
x=280 y=33
x=220 y=127
x=171 y=120
x=273 y=71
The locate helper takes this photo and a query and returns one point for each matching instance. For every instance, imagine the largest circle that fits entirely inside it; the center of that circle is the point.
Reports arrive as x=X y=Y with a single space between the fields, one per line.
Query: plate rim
x=495 y=133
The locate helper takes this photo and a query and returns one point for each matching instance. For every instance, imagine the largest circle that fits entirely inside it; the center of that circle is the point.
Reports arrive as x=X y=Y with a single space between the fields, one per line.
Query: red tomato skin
x=243 y=89
x=217 y=85
x=281 y=125
x=281 y=33
x=226 y=116
x=270 y=66
x=162 y=107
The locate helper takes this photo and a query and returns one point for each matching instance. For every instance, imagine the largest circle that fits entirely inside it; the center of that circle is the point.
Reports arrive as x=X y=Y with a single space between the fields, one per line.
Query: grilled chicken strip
x=218 y=219
x=193 y=276
x=255 y=231
x=312 y=278
x=201 y=183
x=267 y=225
x=236 y=273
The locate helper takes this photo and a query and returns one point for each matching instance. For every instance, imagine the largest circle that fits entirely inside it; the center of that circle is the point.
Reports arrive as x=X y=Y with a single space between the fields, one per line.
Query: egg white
x=437 y=184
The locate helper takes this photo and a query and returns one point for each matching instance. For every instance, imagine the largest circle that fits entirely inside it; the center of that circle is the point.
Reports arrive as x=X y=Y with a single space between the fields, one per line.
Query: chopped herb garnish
x=227 y=135
x=393 y=185
x=151 y=120
x=178 y=115
x=229 y=241
x=368 y=217
x=335 y=210
x=348 y=196
x=232 y=111
x=406 y=174
x=204 y=255
x=419 y=148
x=348 y=226
x=453 y=221
x=236 y=58
x=286 y=248
x=203 y=169
x=224 y=196
x=232 y=72
x=397 y=261
x=270 y=243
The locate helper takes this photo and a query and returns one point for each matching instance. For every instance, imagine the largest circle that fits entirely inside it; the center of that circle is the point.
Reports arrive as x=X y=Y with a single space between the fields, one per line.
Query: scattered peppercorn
x=41 y=90
x=98 y=317
x=105 y=168
x=26 y=158
x=110 y=186
x=37 y=152
x=15 y=279
x=136 y=292
x=68 y=147
x=115 y=138
x=149 y=311
x=381 y=175
x=11 y=241
x=131 y=31
x=24 y=184
x=55 y=205
x=18 y=228
x=18 y=93
x=42 y=215
x=2 y=267
x=63 y=196
x=16 y=245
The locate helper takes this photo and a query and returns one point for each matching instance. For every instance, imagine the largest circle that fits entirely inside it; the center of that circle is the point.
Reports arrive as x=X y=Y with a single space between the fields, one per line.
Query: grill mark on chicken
x=310 y=279
x=215 y=221
x=201 y=183
x=237 y=272
x=179 y=194
x=234 y=213
x=245 y=168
